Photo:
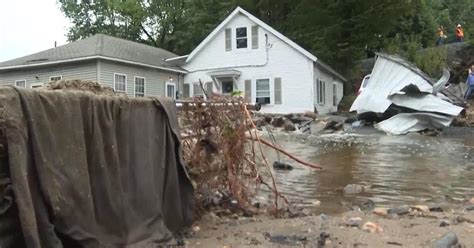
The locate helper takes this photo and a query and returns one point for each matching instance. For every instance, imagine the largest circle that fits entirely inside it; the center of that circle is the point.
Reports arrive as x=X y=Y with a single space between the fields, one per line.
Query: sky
x=29 y=26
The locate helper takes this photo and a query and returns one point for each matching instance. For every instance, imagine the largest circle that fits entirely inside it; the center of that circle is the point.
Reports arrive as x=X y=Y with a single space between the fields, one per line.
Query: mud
x=89 y=86
x=333 y=231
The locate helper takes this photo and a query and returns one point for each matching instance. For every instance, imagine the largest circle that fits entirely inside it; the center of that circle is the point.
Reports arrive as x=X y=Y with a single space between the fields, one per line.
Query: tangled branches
x=220 y=159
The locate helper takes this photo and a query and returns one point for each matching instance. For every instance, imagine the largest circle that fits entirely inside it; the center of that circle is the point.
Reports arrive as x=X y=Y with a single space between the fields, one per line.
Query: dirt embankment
x=80 y=85
x=353 y=229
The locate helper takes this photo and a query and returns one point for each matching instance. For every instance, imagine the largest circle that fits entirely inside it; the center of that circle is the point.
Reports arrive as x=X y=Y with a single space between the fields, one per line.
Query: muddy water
x=401 y=170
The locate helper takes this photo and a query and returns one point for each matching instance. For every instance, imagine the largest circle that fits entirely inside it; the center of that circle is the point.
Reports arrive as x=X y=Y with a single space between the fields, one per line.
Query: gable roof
x=262 y=24
x=99 y=46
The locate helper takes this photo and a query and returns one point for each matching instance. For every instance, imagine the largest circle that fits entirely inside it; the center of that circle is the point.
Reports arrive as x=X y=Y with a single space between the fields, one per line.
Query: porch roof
x=225 y=73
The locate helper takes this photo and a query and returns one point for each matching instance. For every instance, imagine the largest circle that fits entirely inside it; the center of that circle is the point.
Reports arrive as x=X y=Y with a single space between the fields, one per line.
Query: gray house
x=129 y=67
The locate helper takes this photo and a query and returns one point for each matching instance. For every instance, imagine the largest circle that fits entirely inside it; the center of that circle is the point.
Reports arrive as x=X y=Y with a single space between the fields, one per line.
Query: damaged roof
x=98 y=46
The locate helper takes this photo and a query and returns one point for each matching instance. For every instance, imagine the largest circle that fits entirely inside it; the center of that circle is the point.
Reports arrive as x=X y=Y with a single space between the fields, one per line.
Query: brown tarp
x=97 y=170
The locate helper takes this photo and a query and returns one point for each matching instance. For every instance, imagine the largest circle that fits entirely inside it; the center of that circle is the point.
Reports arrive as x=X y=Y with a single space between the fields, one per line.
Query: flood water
x=412 y=169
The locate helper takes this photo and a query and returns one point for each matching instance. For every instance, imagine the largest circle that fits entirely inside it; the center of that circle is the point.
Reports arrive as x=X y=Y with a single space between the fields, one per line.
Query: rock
x=356 y=189
x=254 y=241
x=316 y=203
x=469 y=208
x=298 y=119
x=267 y=119
x=399 y=210
x=447 y=241
x=289 y=126
x=281 y=166
x=381 y=211
x=422 y=208
x=471 y=201
x=354 y=222
x=311 y=115
x=372 y=227
x=436 y=208
x=368 y=205
x=285 y=239
x=394 y=243
x=444 y=223
x=333 y=125
x=323 y=239
x=278 y=121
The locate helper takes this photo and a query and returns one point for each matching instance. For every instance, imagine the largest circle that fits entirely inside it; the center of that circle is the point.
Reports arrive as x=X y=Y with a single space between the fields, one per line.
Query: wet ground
x=411 y=169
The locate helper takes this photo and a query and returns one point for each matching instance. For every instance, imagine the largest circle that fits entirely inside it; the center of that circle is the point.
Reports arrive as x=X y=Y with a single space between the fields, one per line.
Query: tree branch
x=148 y=35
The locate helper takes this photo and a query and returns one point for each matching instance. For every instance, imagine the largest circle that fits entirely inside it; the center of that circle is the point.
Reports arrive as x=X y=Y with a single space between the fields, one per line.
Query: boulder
x=422 y=208
x=289 y=126
x=333 y=125
x=399 y=210
x=381 y=211
x=372 y=227
x=447 y=241
x=354 y=222
x=278 y=121
x=281 y=166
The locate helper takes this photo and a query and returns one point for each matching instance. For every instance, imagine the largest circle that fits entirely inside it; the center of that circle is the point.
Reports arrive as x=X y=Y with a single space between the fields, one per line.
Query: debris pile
x=90 y=86
x=288 y=122
x=411 y=100
x=222 y=149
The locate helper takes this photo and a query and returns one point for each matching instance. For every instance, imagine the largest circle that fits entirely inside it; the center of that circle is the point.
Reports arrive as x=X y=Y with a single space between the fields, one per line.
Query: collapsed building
x=404 y=98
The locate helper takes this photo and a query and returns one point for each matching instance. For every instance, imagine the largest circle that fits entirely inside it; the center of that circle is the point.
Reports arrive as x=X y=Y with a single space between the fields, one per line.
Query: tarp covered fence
x=102 y=171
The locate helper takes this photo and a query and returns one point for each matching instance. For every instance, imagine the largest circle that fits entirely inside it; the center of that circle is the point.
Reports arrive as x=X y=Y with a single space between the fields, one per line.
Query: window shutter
x=248 y=90
x=186 y=93
x=277 y=86
x=254 y=37
x=228 y=39
x=324 y=92
x=209 y=88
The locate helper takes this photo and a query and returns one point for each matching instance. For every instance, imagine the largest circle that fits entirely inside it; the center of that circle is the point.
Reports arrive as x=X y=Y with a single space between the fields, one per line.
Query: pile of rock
x=288 y=122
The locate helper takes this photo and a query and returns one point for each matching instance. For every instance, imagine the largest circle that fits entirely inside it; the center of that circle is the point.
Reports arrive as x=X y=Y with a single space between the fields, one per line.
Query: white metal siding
x=82 y=71
x=295 y=69
x=154 y=79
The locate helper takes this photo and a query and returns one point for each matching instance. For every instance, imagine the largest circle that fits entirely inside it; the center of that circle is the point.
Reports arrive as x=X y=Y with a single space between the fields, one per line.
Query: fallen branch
x=267 y=143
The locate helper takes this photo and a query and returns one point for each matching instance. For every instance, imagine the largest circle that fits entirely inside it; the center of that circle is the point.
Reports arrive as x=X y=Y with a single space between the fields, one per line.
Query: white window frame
x=126 y=86
x=135 y=85
x=36 y=85
x=59 y=76
x=16 y=83
x=166 y=89
x=270 y=90
x=321 y=90
x=241 y=38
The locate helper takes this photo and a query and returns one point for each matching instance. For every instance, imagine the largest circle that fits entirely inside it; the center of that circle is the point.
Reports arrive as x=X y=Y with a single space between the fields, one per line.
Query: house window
x=334 y=95
x=139 y=86
x=120 y=82
x=20 y=83
x=321 y=87
x=263 y=91
x=197 y=90
x=55 y=78
x=37 y=85
x=241 y=37
x=171 y=90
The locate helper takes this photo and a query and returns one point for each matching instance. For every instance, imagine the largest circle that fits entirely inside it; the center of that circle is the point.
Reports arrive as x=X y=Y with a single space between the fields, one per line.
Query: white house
x=245 y=54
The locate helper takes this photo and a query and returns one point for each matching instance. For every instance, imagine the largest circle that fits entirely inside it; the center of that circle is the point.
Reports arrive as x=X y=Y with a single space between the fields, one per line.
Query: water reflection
x=401 y=169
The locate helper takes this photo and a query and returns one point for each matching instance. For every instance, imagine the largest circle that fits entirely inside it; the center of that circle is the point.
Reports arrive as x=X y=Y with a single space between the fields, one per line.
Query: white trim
x=36 y=84
x=135 y=85
x=176 y=58
x=23 y=80
x=88 y=58
x=256 y=21
x=59 y=76
x=166 y=88
x=126 y=83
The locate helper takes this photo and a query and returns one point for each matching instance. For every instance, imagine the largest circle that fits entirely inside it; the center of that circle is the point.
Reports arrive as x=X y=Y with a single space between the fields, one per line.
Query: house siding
x=328 y=106
x=71 y=71
x=155 y=79
x=294 y=69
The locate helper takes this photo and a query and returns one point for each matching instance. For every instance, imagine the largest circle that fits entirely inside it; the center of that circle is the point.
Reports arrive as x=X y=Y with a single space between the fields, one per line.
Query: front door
x=227 y=87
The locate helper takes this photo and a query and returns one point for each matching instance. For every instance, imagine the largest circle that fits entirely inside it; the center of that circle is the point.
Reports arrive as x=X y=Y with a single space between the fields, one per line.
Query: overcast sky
x=29 y=26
